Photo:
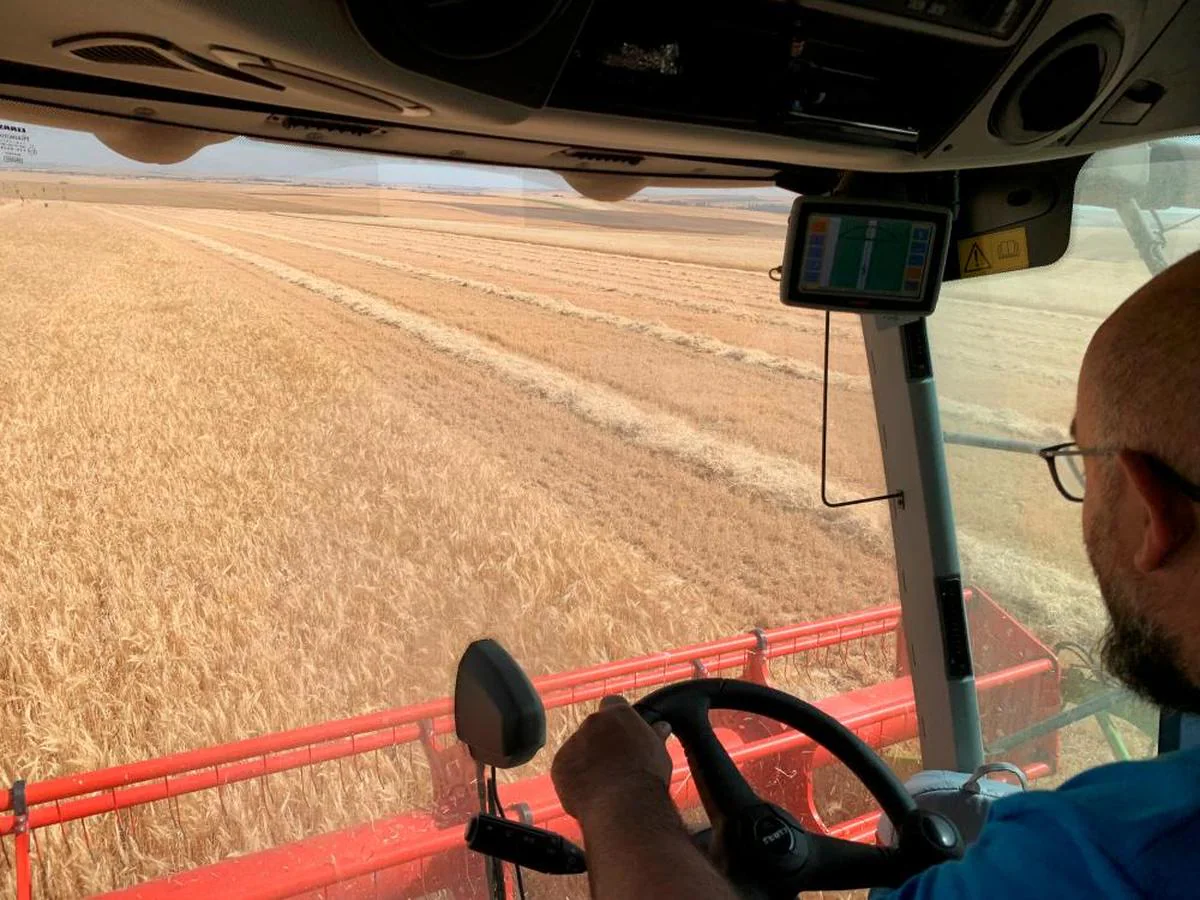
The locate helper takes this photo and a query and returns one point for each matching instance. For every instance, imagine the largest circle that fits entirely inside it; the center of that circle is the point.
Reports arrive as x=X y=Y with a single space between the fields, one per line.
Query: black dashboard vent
x=126 y=55
x=605 y=156
x=318 y=125
x=150 y=52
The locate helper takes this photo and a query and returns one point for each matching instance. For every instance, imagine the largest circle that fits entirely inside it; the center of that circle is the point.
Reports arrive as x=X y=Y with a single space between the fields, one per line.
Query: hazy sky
x=241 y=157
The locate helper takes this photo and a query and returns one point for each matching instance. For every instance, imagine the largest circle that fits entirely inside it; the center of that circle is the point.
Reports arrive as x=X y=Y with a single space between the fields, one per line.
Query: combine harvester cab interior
x=928 y=144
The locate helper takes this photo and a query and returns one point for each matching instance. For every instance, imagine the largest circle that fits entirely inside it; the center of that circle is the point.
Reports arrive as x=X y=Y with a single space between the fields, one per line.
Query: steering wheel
x=764 y=851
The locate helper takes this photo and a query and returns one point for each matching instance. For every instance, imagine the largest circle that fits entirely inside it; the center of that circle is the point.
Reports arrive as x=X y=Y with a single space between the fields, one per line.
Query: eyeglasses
x=1066 y=468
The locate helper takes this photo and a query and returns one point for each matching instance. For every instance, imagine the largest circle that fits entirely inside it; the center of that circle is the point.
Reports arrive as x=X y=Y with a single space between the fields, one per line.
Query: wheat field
x=273 y=456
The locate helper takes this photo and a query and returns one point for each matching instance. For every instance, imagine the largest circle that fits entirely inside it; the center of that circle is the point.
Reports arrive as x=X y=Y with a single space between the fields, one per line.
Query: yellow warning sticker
x=999 y=251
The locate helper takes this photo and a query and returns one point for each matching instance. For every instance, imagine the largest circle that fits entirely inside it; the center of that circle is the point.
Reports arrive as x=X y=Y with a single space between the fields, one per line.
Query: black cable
x=1085 y=655
x=481 y=781
x=498 y=809
x=494 y=868
x=838 y=504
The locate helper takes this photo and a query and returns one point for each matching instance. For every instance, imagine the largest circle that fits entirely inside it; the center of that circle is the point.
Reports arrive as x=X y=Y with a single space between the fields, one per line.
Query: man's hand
x=613 y=754
x=614 y=775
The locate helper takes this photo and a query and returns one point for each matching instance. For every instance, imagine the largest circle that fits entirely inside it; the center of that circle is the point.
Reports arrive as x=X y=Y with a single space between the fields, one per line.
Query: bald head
x=1140 y=382
x=1138 y=408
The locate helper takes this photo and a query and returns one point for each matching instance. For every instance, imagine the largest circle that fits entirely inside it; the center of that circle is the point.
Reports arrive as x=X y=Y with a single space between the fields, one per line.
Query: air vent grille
x=325 y=126
x=126 y=55
x=605 y=156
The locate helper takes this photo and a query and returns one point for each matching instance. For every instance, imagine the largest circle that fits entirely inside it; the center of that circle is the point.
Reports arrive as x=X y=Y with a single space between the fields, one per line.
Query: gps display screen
x=865 y=256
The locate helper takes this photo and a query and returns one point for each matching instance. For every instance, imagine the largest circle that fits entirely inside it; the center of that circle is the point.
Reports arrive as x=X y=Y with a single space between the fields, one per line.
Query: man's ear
x=1167 y=520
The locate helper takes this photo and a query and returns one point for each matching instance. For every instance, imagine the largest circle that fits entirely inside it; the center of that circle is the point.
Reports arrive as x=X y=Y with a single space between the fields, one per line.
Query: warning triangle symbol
x=976 y=261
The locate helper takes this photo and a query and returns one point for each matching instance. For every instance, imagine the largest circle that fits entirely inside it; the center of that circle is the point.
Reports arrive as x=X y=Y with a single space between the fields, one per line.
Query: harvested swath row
x=766 y=251
x=748 y=289
x=666 y=287
x=561 y=263
x=754 y=300
x=1013 y=576
x=700 y=343
x=794 y=434
x=770 y=411
x=729 y=256
x=654 y=379
x=745 y=283
x=687 y=279
x=961 y=413
x=1037 y=589
x=549 y=268
x=978 y=415
x=1048 y=593
x=789 y=484
x=974 y=327
x=728 y=322
x=978 y=510
x=695 y=281
x=973 y=415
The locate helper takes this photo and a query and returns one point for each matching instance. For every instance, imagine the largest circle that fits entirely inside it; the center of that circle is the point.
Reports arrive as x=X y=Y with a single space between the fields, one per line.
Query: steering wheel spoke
x=762 y=847
x=723 y=789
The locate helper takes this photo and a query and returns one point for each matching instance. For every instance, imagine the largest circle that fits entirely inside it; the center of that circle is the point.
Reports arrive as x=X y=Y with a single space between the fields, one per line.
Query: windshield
x=282 y=430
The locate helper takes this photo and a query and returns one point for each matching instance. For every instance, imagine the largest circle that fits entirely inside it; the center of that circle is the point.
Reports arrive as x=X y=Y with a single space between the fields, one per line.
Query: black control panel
x=871 y=73
x=995 y=18
x=776 y=68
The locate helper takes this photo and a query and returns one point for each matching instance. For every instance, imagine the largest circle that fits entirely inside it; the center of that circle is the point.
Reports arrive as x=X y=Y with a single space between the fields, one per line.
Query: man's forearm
x=637 y=848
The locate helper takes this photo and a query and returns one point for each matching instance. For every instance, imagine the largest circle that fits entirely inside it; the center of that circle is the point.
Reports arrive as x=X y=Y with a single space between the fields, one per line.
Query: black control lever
x=524 y=845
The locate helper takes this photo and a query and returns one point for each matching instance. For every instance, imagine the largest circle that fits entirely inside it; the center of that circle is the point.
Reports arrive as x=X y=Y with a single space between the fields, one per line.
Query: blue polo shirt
x=1126 y=830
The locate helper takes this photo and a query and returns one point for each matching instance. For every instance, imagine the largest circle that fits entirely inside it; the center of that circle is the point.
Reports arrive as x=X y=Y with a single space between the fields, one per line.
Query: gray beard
x=1138 y=653
x=1146 y=660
